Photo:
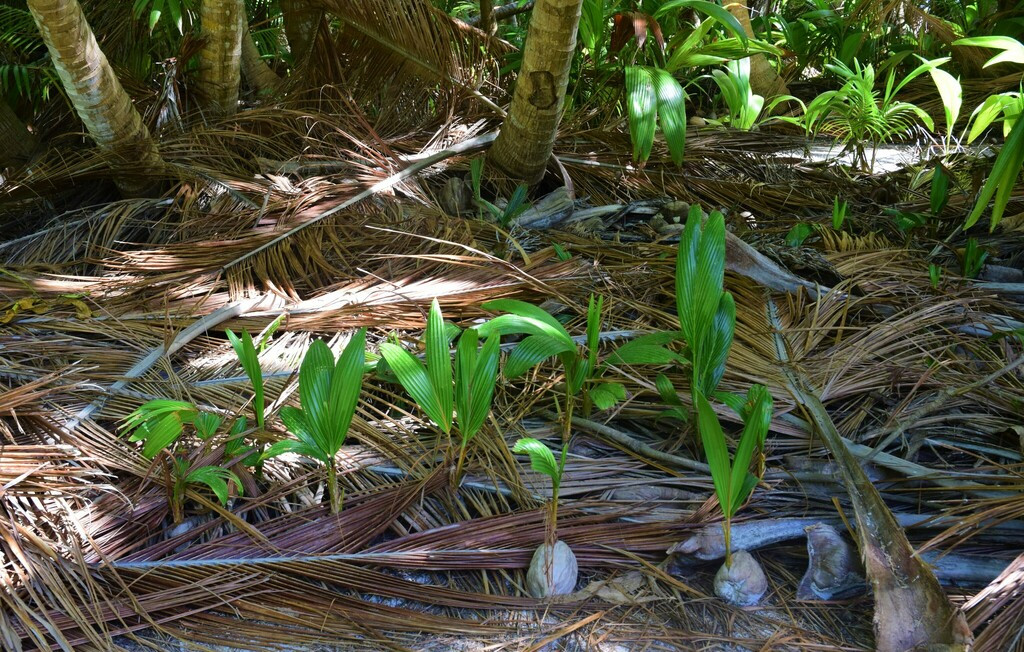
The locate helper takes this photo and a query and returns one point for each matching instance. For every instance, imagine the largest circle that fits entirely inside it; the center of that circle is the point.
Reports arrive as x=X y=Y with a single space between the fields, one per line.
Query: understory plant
x=328 y=392
x=1001 y=181
x=859 y=115
x=159 y=424
x=553 y=568
x=434 y=387
x=707 y=318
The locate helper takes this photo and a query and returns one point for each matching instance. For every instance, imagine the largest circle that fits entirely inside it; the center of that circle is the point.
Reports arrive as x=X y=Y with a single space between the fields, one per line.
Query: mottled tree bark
x=220 y=58
x=763 y=79
x=261 y=78
x=301 y=21
x=101 y=102
x=527 y=135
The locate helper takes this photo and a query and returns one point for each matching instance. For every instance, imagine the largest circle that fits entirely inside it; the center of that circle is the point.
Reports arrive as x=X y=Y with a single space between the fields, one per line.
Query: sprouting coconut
x=553 y=569
x=742 y=582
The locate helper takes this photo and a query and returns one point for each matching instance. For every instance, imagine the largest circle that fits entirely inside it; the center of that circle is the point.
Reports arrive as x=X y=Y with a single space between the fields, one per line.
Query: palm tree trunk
x=101 y=102
x=763 y=79
x=487 y=22
x=301 y=22
x=527 y=135
x=261 y=78
x=18 y=142
x=223 y=22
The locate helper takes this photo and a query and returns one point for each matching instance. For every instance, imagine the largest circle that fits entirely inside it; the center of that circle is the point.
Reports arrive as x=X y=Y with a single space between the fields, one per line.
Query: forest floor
x=109 y=303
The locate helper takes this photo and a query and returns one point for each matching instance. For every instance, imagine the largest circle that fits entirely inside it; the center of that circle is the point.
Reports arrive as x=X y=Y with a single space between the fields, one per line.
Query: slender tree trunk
x=301 y=22
x=527 y=135
x=763 y=79
x=18 y=143
x=261 y=78
x=487 y=22
x=101 y=102
x=223 y=23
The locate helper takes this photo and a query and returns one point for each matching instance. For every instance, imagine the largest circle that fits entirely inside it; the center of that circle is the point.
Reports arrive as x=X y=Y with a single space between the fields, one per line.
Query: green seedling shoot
x=437 y=391
x=183 y=475
x=328 y=391
x=707 y=318
x=838 y=214
x=542 y=460
x=159 y=424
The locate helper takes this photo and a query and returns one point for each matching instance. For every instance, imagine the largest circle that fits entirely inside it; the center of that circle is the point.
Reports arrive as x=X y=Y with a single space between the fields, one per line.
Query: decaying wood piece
x=911 y=611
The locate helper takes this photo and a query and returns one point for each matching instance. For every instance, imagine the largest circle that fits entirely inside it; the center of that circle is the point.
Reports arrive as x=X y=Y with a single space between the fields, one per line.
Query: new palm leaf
x=434 y=388
x=328 y=392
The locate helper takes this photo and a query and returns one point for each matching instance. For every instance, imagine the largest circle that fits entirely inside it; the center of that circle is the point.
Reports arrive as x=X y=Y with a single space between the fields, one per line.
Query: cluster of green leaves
x=459 y=399
x=502 y=215
x=542 y=460
x=328 y=392
x=1000 y=183
x=158 y=424
x=858 y=115
x=745 y=107
x=654 y=96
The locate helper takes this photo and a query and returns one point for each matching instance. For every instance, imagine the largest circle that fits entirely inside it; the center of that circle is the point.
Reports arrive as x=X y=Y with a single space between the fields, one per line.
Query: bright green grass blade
x=246 y=352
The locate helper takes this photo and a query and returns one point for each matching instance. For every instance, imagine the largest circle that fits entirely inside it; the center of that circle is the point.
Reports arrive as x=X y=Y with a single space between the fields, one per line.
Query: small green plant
x=1000 y=183
x=245 y=349
x=183 y=474
x=516 y=204
x=934 y=275
x=707 y=317
x=328 y=392
x=159 y=424
x=858 y=115
x=542 y=460
x=839 y=210
x=546 y=337
x=973 y=258
x=745 y=106
x=434 y=388
x=798 y=233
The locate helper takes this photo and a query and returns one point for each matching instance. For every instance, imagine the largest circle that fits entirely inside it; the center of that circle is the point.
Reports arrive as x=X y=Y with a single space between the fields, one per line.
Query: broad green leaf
x=1001 y=180
x=709 y=9
x=482 y=386
x=522 y=318
x=206 y=424
x=215 y=478
x=315 y=374
x=1012 y=49
x=671 y=112
x=710 y=270
x=755 y=428
x=592 y=25
x=291 y=446
x=542 y=460
x=413 y=376
x=439 y=364
x=465 y=366
x=605 y=395
x=269 y=331
x=796 y=235
x=715 y=347
x=159 y=433
x=713 y=440
x=346 y=383
x=734 y=401
x=939 y=191
x=986 y=114
x=533 y=350
x=296 y=422
x=593 y=331
x=951 y=93
x=246 y=352
x=641 y=109
x=157 y=407
x=667 y=391
x=633 y=353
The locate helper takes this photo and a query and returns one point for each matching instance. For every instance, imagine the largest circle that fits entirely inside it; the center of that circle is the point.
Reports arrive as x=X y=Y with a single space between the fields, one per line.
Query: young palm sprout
x=553 y=569
x=328 y=392
x=435 y=390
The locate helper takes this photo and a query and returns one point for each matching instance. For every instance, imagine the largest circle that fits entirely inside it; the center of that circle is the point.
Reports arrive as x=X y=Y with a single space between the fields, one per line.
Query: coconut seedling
x=437 y=391
x=158 y=424
x=707 y=319
x=553 y=569
x=328 y=391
